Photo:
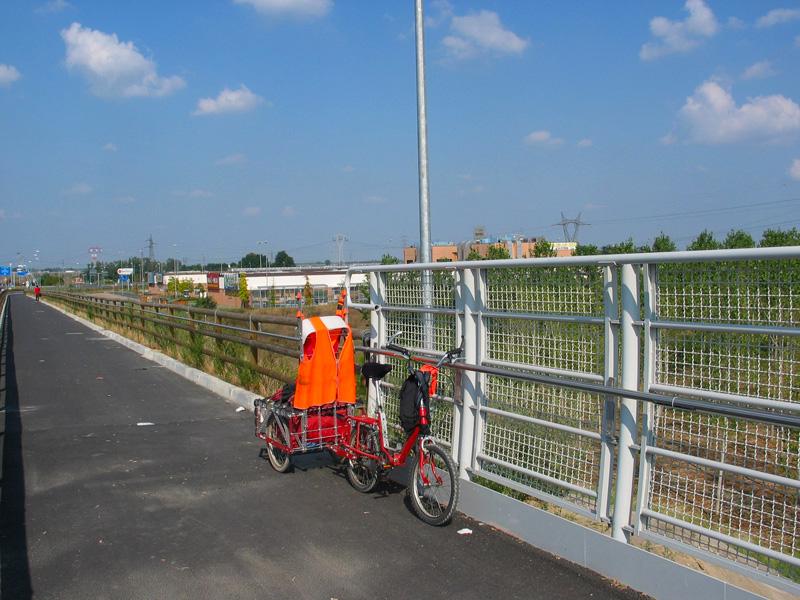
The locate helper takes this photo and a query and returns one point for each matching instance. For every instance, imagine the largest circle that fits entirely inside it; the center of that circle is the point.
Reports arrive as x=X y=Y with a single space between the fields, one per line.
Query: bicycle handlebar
x=448 y=356
x=398 y=349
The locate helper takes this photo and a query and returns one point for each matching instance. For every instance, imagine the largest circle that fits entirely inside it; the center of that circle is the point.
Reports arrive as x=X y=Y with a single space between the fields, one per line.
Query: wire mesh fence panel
x=558 y=456
x=761 y=366
x=573 y=408
x=756 y=292
x=743 y=364
x=573 y=290
x=745 y=508
x=405 y=289
x=414 y=328
x=558 y=345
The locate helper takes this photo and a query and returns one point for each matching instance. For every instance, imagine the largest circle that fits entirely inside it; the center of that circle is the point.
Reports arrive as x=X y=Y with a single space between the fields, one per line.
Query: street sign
x=22 y=273
x=125 y=271
x=5 y=271
x=124 y=278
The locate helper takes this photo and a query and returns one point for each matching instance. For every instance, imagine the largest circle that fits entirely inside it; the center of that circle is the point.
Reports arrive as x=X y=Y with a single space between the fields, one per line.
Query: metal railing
x=657 y=392
x=240 y=339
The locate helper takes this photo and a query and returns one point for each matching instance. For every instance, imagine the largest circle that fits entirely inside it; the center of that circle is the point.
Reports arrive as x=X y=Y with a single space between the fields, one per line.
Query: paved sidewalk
x=95 y=504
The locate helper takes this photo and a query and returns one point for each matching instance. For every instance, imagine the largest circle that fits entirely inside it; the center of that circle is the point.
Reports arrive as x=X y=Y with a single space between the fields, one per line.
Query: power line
x=705 y=211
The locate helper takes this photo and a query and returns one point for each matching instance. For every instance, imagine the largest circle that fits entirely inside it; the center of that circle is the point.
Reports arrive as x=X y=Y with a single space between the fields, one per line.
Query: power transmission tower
x=151 y=248
x=340 y=239
x=566 y=223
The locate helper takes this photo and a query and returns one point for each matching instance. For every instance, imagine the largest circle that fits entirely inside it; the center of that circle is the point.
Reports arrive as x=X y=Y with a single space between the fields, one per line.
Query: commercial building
x=516 y=248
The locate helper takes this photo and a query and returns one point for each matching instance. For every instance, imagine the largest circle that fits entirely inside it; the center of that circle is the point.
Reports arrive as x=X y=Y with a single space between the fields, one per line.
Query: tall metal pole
x=424 y=199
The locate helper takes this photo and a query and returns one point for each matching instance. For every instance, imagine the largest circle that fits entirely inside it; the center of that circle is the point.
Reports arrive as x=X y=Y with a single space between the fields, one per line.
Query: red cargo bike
x=319 y=413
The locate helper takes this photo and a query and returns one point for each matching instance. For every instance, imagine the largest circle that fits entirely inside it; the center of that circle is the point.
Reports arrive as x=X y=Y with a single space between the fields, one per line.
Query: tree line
x=736 y=238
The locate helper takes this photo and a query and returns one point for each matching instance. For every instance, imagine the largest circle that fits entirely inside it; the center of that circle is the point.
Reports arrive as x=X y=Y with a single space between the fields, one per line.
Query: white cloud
x=251 y=211
x=440 y=11
x=680 y=36
x=712 y=116
x=114 y=68
x=229 y=101
x=668 y=139
x=735 y=23
x=79 y=189
x=288 y=211
x=110 y=147
x=794 y=170
x=481 y=33
x=759 y=70
x=8 y=74
x=542 y=138
x=231 y=159
x=778 y=16
x=585 y=143
x=295 y=8
x=54 y=6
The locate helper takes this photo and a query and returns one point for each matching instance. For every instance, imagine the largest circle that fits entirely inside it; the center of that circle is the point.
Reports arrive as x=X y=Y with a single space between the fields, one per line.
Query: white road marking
x=74 y=333
x=144 y=424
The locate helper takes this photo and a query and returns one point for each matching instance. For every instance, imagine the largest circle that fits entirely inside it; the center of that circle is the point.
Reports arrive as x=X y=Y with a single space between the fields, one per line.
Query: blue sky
x=214 y=125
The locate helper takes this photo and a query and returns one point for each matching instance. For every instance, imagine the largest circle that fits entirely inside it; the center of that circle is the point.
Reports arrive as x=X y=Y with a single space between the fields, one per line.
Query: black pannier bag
x=409 y=411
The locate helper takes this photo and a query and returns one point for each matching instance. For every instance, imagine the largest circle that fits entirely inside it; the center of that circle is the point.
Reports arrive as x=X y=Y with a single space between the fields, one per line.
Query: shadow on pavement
x=15 y=579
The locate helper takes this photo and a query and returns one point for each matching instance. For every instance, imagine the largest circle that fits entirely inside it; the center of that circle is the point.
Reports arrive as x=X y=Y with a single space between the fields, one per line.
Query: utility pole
x=424 y=188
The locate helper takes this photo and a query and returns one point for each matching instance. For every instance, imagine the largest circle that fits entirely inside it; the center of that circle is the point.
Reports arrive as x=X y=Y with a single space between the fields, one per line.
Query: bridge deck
x=95 y=506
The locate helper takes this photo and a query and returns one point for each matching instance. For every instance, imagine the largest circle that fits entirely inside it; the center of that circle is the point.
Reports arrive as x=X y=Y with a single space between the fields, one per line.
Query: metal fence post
x=628 y=406
x=377 y=322
x=468 y=411
x=608 y=430
x=650 y=411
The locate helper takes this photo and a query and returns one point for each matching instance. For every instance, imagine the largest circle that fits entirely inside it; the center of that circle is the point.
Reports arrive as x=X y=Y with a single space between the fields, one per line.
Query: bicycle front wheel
x=434 y=486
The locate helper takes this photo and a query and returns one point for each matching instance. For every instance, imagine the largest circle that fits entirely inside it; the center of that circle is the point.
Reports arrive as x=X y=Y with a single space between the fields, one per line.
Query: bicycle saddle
x=374 y=370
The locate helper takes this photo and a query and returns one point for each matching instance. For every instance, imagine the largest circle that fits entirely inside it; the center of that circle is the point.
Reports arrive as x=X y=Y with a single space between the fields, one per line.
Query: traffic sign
x=5 y=271
x=125 y=271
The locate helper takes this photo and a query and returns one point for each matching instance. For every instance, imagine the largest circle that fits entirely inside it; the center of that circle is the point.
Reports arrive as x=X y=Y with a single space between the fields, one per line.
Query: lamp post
x=264 y=243
x=424 y=199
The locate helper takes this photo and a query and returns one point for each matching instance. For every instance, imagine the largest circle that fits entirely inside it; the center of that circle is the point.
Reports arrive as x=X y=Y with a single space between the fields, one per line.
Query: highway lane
x=97 y=505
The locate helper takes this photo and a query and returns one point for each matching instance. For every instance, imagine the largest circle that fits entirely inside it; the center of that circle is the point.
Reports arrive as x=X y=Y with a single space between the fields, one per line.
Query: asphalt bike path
x=123 y=480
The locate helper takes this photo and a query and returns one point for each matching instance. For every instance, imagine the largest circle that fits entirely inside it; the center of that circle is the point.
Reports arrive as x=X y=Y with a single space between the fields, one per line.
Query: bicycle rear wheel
x=434 y=486
x=280 y=460
x=362 y=473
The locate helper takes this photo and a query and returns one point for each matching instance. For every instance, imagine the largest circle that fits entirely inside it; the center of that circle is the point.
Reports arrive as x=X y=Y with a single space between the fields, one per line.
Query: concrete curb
x=228 y=391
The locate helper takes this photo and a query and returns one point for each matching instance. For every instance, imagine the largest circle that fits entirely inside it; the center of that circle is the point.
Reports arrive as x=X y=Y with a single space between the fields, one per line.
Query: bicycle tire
x=426 y=499
x=281 y=461
x=362 y=473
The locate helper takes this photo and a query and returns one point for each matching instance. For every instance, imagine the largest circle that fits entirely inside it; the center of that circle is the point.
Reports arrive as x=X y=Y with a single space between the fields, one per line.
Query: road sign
x=124 y=278
x=5 y=271
x=125 y=271
x=22 y=273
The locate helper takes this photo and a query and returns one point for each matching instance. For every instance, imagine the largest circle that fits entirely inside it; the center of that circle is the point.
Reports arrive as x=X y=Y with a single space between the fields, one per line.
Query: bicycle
x=434 y=487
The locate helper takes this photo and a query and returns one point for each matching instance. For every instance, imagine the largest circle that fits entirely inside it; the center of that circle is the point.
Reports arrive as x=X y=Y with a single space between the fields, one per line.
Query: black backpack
x=409 y=409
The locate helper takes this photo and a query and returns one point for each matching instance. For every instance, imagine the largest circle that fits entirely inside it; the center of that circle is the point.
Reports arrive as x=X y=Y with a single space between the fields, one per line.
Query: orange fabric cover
x=321 y=377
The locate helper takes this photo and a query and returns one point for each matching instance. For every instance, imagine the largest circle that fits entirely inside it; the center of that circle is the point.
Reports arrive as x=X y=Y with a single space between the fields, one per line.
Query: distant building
x=271 y=286
x=517 y=248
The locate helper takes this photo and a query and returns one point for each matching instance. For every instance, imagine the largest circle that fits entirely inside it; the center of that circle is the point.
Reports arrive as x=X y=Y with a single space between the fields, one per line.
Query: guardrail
x=199 y=332
x=657 y=392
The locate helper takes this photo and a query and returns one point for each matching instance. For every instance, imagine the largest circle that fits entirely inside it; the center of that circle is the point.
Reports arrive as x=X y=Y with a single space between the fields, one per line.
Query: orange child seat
x=327 y=366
